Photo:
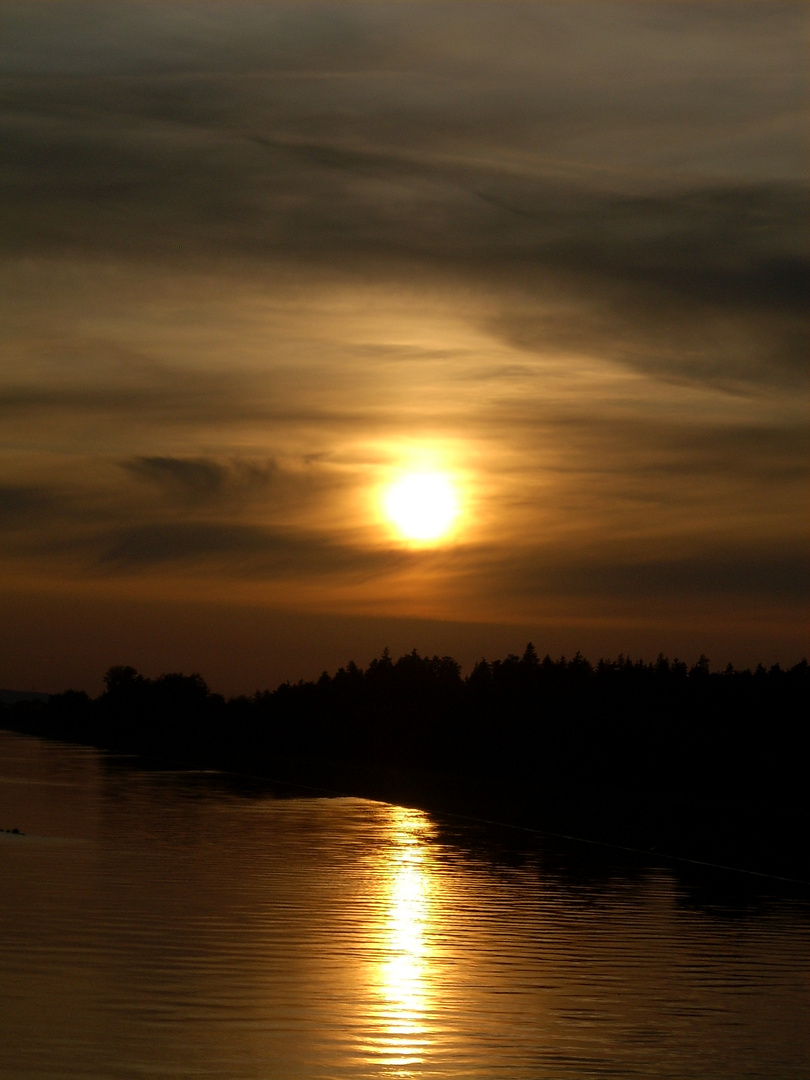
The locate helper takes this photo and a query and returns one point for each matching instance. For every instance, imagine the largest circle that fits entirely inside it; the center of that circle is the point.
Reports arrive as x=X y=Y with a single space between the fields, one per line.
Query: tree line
x=621 y=721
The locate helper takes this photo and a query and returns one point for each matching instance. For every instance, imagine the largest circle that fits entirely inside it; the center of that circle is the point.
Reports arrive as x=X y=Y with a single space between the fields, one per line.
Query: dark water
x=161 y=925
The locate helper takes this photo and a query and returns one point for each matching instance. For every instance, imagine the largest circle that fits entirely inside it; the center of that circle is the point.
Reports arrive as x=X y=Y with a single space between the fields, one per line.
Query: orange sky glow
x=260 y=262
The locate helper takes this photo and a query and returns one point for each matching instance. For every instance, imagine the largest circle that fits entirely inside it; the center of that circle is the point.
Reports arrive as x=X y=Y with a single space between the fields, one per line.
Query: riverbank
x=751 y=836
x=654 y=759
x=628 y=823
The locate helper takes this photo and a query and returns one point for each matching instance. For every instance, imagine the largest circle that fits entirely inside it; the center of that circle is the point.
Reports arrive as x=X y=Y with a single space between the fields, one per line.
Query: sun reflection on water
x=403 y=970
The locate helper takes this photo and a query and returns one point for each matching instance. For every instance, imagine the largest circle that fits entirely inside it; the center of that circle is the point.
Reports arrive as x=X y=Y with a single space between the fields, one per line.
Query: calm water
x=159 y=925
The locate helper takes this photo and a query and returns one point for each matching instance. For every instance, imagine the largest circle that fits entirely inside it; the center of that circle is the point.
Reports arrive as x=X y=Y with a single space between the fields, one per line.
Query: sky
x=259 y=261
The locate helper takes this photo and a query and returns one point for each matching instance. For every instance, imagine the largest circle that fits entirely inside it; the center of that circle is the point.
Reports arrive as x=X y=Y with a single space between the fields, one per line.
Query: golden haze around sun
x=423 y=507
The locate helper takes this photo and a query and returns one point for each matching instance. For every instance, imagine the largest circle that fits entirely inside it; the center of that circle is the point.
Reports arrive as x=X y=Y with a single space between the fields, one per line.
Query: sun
x=422 y=506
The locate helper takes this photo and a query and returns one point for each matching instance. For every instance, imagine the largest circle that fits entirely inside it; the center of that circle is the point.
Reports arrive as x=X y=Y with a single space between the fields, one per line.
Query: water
x=162 y=925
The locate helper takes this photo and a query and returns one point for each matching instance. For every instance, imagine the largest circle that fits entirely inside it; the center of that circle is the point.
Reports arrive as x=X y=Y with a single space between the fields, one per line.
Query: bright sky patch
x=422 y=506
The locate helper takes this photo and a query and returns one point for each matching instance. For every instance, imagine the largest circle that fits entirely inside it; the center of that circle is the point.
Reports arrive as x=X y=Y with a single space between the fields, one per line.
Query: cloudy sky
x=259 y=260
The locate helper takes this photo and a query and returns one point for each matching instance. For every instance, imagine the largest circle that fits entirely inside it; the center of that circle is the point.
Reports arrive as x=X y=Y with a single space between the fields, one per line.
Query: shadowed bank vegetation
x=660 y=756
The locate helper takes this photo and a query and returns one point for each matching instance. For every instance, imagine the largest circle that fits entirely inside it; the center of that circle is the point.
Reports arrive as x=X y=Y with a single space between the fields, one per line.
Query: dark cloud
x=20 y=505
x=241 y=550
x=701 y=283
x=49 y=515
x=702 y=286
x=234 y=486
x=623 y=442
x=89 y=533
x=177 y=397
x=68 y=371
x=775 y=571
x=202 y=480
x=151 y=544
x=757 y=452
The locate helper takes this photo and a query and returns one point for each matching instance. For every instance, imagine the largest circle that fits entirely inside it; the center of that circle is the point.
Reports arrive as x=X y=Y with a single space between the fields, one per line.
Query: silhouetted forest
x=653 y=754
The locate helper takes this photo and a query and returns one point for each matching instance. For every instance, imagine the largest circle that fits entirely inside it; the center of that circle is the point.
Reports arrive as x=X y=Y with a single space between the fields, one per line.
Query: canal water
x=177 y=925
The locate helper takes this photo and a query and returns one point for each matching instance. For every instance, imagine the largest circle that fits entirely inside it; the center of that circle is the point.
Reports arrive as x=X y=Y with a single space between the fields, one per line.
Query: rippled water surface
x=164 y=925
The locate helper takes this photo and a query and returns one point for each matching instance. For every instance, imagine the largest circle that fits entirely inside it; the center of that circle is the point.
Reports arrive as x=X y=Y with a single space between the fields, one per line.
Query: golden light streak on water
x=403 y=971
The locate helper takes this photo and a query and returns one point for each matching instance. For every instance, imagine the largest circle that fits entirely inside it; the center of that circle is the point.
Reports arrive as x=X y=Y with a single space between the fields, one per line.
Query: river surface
x=167 y=925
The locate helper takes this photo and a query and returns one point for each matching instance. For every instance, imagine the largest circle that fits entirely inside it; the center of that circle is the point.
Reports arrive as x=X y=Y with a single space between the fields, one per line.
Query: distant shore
x=651 y=758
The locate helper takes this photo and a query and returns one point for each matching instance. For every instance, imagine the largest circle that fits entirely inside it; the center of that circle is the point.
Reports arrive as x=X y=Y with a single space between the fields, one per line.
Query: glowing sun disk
x=421 y=505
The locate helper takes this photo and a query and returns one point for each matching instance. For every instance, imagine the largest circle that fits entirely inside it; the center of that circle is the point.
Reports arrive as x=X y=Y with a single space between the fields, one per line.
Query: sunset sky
x=261 y=261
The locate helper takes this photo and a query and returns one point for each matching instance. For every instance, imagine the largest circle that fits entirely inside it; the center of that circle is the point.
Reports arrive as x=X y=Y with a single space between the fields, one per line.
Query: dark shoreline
x=751 y=852
x=653 y=760
x=738 y=837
